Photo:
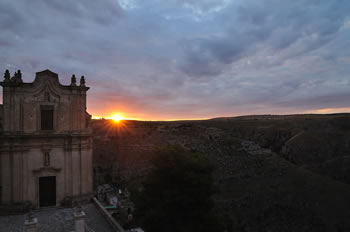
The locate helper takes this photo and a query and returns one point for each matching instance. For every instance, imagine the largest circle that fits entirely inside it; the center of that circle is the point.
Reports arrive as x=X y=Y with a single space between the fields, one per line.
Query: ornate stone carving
x=82 y=81
x=47 y=96
x=7 y=76
x=73 y=81
x=46 y=169
x=46 y=159
x=17 y=78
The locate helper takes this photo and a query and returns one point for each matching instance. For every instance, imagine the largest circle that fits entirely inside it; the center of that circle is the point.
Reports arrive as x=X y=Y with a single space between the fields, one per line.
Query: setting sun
x=117 y=117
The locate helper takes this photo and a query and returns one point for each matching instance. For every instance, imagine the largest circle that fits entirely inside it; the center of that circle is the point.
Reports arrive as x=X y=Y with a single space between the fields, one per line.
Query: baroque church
x=45 y=141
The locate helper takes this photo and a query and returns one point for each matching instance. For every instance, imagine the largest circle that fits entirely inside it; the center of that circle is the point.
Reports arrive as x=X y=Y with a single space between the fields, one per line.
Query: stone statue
x=82 y=81
x=74 y=81
x=7 y=76
x=17 y=78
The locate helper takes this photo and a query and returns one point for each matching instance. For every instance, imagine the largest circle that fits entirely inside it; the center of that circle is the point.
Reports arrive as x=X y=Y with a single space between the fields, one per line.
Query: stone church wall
x=28 y=152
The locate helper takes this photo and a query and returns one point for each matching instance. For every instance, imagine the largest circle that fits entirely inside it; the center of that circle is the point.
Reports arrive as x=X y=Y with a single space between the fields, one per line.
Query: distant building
x=45 y=141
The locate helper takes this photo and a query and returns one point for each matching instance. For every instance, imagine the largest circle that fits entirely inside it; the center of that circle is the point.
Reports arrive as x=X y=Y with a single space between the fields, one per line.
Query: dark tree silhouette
x=177 y=195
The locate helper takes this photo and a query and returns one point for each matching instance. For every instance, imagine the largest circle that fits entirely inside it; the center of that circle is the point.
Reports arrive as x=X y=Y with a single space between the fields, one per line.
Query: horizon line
x=219 y=117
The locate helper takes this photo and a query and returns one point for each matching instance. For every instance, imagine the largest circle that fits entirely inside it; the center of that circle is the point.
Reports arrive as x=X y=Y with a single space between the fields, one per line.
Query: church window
x=46 y=117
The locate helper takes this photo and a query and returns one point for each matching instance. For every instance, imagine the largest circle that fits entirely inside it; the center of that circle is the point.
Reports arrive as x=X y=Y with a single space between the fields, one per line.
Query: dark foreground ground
x=274 y=173
x=56 y=220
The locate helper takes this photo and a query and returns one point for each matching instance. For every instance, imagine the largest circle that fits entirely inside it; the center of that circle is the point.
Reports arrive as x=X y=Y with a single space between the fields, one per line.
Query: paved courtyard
x=56 y=220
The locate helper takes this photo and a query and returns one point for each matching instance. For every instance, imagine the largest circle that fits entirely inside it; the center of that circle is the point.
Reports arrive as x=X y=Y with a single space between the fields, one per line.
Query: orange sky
x=134 y=115
x=146 y=117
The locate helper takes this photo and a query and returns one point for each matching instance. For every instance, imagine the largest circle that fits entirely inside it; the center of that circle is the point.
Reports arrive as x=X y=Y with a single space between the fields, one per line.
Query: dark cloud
x=9 y=16
x=270 y=23
x=101 y=13
x=317 y=102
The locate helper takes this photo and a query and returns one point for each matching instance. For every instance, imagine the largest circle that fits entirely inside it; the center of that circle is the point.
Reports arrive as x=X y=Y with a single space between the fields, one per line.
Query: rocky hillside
x=275 y=173
x=320 y=143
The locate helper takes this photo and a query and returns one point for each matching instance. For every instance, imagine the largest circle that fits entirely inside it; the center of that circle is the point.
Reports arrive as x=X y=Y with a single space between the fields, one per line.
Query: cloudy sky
x=187 y=59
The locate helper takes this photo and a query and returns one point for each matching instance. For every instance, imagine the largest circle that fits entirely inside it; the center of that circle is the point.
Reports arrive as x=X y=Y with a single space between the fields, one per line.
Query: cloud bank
x=184 y=58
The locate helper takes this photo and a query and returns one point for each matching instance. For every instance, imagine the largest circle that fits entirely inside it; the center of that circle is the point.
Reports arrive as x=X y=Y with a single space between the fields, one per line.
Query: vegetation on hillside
x=177 y=195
x=303 y=185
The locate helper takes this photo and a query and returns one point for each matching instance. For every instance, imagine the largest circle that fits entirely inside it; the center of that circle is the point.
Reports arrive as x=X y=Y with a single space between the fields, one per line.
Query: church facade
x=45 y=141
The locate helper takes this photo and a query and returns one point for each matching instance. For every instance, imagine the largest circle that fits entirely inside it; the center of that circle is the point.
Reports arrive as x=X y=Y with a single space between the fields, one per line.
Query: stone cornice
x=44 y=76
x=21 y=148
x=21 y=135
x=7 y=148
x=47 y=169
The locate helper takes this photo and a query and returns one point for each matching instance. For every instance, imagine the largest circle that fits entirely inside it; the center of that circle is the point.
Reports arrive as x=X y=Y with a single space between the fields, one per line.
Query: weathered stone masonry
x=45 y=133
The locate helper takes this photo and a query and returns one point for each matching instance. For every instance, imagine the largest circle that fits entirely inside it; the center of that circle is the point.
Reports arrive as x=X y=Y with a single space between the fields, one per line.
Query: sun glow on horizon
x=117 y=117
x=331 y=110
